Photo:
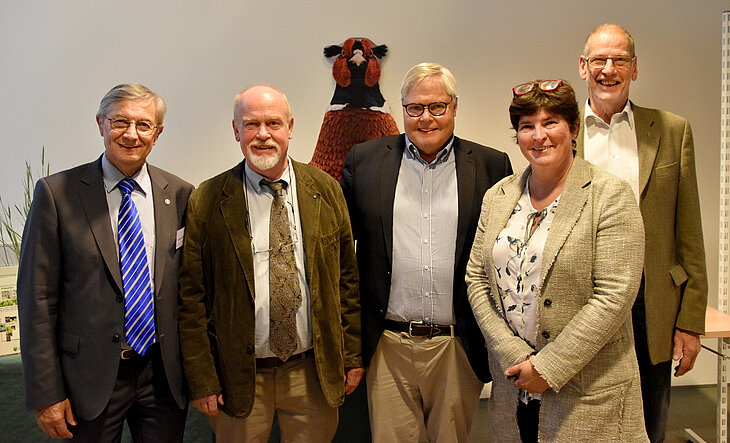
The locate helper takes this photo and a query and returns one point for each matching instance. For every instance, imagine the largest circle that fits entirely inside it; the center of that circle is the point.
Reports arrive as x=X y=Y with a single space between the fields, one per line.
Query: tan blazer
x=216 y=308
x=675 y=278
x=591 y=272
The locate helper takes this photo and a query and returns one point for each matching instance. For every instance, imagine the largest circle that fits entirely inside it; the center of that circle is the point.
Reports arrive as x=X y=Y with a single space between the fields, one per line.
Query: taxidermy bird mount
x=358 y=111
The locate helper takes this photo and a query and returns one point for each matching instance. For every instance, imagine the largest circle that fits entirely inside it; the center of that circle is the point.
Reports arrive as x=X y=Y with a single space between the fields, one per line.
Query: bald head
x=263 y=125
x=256 y=91
x=609 y=28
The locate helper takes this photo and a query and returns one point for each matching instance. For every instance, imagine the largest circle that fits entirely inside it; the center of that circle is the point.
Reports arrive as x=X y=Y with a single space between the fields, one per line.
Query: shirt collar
x=442 y=156
x=627 y=114
x=112 y=176
x=253 y=178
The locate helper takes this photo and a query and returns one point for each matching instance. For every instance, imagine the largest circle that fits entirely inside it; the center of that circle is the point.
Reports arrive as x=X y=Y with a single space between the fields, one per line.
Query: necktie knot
x=126 y=185
x=277 y=187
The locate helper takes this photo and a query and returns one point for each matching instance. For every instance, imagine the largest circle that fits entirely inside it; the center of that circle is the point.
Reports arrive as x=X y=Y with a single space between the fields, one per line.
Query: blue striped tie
x=139 y=318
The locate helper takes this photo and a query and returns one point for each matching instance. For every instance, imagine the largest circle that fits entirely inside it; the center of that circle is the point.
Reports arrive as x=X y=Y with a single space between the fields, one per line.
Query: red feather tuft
x=347 y=48
x=340 y=72
x=367 y=47
x=373 y=72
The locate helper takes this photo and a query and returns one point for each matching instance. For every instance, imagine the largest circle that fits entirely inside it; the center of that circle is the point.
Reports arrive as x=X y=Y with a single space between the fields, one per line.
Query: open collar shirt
x=425 y=217
x=518 y=257
x=613 y=147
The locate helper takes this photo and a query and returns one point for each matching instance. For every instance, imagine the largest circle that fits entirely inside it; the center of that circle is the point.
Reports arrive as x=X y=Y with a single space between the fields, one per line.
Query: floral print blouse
x=518 y=258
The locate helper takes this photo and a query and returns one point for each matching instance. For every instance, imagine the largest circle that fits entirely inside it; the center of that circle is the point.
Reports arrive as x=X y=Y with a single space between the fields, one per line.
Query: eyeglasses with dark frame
x=120 y=124
x=544 y=85
x=436 y=108
x=618 y=61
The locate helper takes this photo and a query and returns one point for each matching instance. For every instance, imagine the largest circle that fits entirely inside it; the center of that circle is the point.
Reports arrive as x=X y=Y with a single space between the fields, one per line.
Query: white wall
x=58 y=58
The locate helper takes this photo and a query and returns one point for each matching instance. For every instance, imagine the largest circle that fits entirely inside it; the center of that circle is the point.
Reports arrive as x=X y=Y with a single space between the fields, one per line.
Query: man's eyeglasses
x=545 y=85
x=619 y=62
x=120 y=124
x=435 y=108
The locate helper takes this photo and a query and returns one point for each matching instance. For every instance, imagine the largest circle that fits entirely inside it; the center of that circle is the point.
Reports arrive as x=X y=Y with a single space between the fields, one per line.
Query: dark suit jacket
x=217 y=284
x=675 y=278
x=70 y=293
x=368 y=180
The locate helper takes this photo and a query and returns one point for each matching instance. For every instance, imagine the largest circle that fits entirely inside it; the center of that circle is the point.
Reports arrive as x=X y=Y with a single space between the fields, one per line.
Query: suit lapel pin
x=167 y=201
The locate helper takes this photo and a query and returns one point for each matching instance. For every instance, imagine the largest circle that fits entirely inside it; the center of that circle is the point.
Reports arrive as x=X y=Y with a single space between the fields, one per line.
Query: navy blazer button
x=249 y=349
x=547 y=302
x=546 y=334
x=115 y=338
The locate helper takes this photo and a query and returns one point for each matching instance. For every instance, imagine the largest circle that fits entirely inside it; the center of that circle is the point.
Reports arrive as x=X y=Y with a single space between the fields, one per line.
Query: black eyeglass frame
x=428 y=106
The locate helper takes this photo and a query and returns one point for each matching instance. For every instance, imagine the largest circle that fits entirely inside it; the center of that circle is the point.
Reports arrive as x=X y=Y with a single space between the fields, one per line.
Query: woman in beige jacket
x=554 y=271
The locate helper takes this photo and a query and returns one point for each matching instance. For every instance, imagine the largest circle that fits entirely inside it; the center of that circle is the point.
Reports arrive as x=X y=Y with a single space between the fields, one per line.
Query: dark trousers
x=142 y=397
x=656 y=380
x=528 y=420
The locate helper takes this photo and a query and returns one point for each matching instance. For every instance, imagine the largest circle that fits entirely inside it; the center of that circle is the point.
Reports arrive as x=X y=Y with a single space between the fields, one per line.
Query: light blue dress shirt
x=259 y=199
x=425 y=218
x=142 y=198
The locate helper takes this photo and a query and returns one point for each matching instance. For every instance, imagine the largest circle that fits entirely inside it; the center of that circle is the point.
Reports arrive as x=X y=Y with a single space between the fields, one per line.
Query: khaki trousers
x=294 y=393
x=421 y=389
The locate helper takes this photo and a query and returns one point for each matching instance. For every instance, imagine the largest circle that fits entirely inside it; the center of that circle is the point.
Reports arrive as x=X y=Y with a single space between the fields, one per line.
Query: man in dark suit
x=652 y=150
x=269 y=305
x=414 y=202
x=82 y=297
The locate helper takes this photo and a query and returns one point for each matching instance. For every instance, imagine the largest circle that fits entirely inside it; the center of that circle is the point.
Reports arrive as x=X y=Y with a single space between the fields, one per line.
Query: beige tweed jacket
x=591 y=272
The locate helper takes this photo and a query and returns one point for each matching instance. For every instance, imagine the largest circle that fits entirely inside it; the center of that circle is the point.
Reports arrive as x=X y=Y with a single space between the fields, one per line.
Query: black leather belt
x=132 y=355
x=275 y=362
x=420 y=329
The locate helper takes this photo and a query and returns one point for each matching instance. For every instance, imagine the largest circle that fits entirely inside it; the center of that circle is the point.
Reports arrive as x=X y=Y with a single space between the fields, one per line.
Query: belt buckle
x=410 y=326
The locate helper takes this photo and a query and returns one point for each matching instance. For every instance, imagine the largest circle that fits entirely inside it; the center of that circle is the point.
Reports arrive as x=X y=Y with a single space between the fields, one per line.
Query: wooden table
x=717 y=325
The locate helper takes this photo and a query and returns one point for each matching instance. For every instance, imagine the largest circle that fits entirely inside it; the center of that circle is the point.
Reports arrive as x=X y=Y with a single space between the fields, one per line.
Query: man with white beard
x=269 y=306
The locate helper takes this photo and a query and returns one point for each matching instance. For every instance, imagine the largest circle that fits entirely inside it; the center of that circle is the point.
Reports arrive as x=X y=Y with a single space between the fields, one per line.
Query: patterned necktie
x=285 y=295
x=139 y=319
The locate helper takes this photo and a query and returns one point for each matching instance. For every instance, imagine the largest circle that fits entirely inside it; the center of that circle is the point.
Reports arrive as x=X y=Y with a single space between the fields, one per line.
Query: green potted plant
x=12 y=221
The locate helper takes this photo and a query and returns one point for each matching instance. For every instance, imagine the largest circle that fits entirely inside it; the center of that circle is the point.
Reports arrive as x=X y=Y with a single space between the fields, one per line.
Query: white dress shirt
x=613 y=147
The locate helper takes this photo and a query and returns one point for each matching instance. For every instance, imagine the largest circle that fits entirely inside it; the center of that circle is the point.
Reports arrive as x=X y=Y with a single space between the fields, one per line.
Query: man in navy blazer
x=414 y=202
x=81 y=377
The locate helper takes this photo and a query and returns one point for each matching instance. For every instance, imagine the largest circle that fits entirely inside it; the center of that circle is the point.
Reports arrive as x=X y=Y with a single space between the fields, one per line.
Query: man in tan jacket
x=269 y=305
x=652 y=150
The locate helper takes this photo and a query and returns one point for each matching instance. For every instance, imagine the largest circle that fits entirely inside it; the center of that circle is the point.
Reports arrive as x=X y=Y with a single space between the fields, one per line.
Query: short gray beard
x=263 y=162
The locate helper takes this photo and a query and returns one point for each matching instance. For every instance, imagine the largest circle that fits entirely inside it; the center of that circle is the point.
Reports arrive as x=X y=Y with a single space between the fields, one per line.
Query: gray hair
x=611 y=28
x=423 y=71
x=132 y=91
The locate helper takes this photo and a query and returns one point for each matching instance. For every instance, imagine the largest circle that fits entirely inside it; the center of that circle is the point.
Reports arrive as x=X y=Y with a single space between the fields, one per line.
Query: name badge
x=179 y=237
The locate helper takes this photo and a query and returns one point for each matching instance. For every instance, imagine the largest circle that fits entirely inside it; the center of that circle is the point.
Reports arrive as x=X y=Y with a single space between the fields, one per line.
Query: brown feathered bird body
x=358 y=111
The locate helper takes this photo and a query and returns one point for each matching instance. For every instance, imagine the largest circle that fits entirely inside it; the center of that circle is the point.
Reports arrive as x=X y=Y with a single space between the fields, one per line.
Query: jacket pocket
x=330 y=238
x=666 y=170
x=69 y=342
x=679 y=275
